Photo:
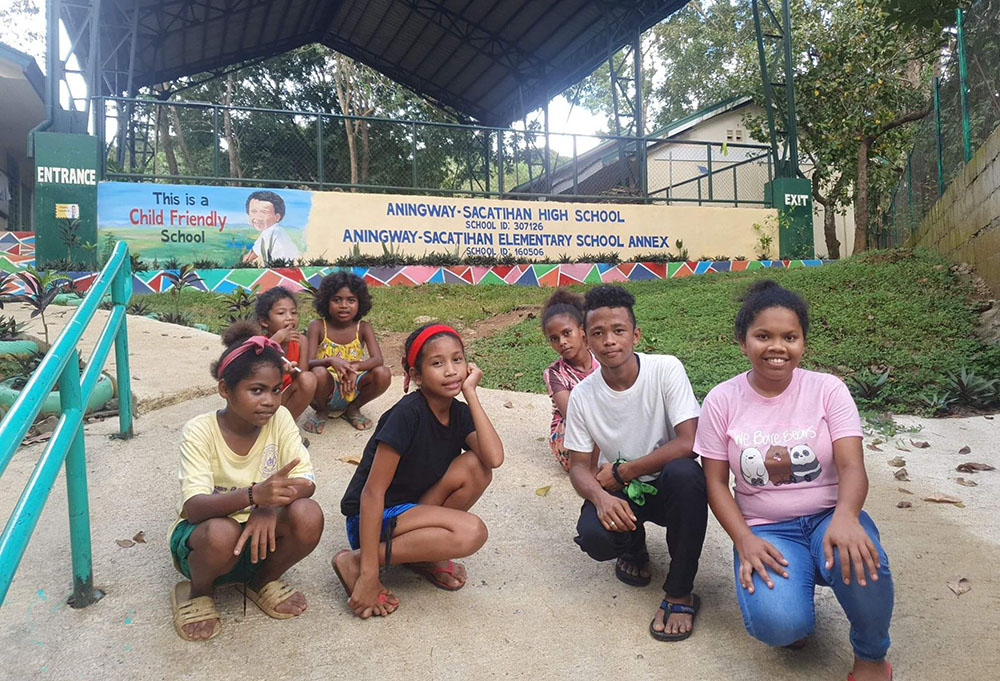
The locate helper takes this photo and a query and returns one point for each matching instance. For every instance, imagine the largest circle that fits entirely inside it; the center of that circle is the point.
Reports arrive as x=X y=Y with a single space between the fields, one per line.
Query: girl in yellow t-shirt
x=244 y=514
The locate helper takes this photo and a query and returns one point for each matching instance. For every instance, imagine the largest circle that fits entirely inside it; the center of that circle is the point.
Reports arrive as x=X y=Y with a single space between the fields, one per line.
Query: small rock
x=508 y=404
x=422 y=319
x=47 y=425
x=904 y=504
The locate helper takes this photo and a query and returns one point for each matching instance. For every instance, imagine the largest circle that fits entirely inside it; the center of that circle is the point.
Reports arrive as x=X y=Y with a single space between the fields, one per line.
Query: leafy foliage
x=867 y=386
x=970 y=389
x=240 y=303
x=40 y=289
x=10 y=328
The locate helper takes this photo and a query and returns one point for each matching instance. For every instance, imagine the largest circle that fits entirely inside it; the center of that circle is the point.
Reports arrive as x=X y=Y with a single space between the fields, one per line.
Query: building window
x=729 y=135
x=739 y=135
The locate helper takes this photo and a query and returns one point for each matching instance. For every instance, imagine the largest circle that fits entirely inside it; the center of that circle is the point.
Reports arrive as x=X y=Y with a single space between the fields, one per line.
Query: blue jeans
x=786 y=613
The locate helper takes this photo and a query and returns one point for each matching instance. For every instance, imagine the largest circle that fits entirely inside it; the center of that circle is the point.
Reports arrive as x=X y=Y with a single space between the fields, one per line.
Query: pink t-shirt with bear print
x=780 y=449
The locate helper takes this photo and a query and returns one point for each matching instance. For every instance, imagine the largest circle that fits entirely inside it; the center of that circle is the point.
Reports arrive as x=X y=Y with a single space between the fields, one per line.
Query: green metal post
x=487 y=147
x=768 y=106
x=215 y=140
x=937 y=124
x=711 y=193
x=413 y=135
x=121 y=292
x=71 y=404
x=319 y=148
x=964 y=90
x=736 y=190
x=909 y=188
x=500 y=161
x=792 y=132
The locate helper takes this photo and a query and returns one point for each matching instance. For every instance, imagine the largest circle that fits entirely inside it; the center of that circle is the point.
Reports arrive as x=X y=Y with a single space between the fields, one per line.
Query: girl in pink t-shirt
x=562 y=324
x=792 y=439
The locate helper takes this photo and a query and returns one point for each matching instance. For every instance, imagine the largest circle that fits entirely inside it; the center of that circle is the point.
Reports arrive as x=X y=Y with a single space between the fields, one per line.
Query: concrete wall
x=964 y=225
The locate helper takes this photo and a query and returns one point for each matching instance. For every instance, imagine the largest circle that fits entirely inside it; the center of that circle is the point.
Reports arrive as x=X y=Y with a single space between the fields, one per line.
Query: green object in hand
x=637 y=489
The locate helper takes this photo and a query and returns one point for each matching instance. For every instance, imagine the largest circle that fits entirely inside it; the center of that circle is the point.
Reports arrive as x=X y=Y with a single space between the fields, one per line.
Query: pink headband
x=255 y=343
x=418 y=343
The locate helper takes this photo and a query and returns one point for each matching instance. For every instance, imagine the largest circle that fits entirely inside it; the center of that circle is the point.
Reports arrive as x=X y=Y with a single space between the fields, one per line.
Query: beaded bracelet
x=250 y=493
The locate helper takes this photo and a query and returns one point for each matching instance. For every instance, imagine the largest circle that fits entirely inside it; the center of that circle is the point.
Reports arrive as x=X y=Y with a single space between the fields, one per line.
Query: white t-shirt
x=629 y=424
x=278 y=244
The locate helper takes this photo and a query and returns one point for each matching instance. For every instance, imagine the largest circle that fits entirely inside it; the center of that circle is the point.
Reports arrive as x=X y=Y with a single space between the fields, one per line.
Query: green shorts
x=243 y=571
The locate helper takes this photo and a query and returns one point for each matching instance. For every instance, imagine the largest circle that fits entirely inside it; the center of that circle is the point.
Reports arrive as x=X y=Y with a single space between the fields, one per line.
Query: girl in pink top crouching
x=792 y=439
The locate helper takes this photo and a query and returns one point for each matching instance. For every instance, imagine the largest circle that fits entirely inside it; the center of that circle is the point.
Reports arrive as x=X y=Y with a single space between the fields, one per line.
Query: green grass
x=897 y=311
x=393 y=309
x=900 y=312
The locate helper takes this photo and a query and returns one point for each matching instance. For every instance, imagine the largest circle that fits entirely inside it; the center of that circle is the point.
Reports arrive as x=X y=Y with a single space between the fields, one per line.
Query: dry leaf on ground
x=897 y=462
x=901 y=447
x=920 y=445
x=519 y=374
x=965 y=450
x=140 y=537
x=901 y=475
x=124 y=543
x=973 y=467
x=542 y=491
x=942 y=498
x=959 y=585
x=354 y=459
x=904 y=504
x=903 y=490
x=874 y=448
x=966 y=483
x=508 y=404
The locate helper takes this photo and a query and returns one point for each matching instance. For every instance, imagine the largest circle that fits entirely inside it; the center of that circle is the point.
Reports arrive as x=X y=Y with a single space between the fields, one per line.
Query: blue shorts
x=387 y=515
x=337 y=401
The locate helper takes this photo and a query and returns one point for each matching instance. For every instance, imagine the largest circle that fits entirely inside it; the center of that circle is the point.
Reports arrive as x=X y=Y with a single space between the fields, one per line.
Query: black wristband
x=250 y=493
x=614 y=472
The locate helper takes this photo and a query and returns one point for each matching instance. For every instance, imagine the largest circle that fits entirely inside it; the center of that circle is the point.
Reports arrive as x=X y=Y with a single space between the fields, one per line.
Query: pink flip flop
x=430 y=573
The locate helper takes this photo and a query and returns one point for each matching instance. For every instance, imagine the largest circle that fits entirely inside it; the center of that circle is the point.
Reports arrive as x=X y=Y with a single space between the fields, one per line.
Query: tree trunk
x=861 y=199
x=829 y=204
x=181 y=142
x=163 y=130
x=227 y=122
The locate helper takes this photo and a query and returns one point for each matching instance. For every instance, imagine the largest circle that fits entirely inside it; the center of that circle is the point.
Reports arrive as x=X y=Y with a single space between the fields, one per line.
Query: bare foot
x=677 y=623
x=451 y=577
x=293 y=605
x=347 y=566
x=634 y=569
x=870 y=671
x=200 y=630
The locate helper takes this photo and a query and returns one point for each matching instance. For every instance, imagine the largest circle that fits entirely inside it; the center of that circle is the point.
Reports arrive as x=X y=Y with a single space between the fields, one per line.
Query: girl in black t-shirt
x=409 y=499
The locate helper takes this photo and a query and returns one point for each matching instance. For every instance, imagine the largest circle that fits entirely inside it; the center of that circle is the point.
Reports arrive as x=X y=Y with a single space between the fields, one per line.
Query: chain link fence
x=946 y=139
x=174 y=141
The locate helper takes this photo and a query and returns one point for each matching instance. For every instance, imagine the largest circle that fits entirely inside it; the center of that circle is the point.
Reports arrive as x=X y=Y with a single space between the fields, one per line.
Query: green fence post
x=909 y=191
x=964 y=90
x=937 y=123
x=736 y=190
x=708 y=147
x=319 y=148
x=121 y=292
x=413 y=132
x=500 y=162
x=215 y=141
x=71 y=405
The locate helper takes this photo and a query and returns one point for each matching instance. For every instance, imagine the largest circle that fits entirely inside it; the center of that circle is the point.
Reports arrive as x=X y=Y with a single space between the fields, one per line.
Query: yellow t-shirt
x=209 y=466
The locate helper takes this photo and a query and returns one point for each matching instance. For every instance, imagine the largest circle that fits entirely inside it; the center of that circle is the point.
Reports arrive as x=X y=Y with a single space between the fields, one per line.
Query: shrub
x=970 y=389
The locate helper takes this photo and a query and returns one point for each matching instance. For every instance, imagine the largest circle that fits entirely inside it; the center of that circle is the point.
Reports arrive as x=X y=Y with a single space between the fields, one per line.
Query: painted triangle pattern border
x=17 y=251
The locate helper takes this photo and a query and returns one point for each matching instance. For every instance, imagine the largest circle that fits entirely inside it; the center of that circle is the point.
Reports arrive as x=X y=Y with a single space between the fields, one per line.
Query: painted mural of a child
x=265 y=209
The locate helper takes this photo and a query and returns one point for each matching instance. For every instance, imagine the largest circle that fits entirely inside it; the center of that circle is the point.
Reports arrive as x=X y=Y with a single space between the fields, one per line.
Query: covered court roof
x=491 y=60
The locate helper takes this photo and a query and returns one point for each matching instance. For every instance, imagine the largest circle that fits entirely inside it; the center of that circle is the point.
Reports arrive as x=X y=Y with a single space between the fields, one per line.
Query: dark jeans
x=680 y=505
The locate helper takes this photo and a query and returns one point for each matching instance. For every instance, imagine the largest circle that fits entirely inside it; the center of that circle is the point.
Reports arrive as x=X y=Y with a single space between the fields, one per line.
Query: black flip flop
x=670 y=608
x=632 y=580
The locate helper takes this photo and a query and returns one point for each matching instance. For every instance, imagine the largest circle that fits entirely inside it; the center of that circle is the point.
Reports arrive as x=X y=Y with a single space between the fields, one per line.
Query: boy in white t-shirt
x=265 y=209
x=630 y=430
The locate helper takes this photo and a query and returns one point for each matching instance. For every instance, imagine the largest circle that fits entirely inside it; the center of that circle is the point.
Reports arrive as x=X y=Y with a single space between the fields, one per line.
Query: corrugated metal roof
x=492 y=60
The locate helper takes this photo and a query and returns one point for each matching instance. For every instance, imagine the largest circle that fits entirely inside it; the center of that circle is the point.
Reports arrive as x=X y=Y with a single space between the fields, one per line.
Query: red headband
x=255 y=343
x=418 y=343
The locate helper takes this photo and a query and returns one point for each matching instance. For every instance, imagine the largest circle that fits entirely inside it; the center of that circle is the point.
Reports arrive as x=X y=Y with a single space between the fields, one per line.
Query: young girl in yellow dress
x=335 y=347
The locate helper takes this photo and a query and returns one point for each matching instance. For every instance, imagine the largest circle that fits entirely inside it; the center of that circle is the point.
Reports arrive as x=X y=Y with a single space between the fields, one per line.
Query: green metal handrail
x=61 y=366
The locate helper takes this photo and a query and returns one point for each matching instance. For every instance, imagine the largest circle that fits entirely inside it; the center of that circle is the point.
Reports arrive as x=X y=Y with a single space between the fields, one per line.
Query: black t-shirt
x=426 y=448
